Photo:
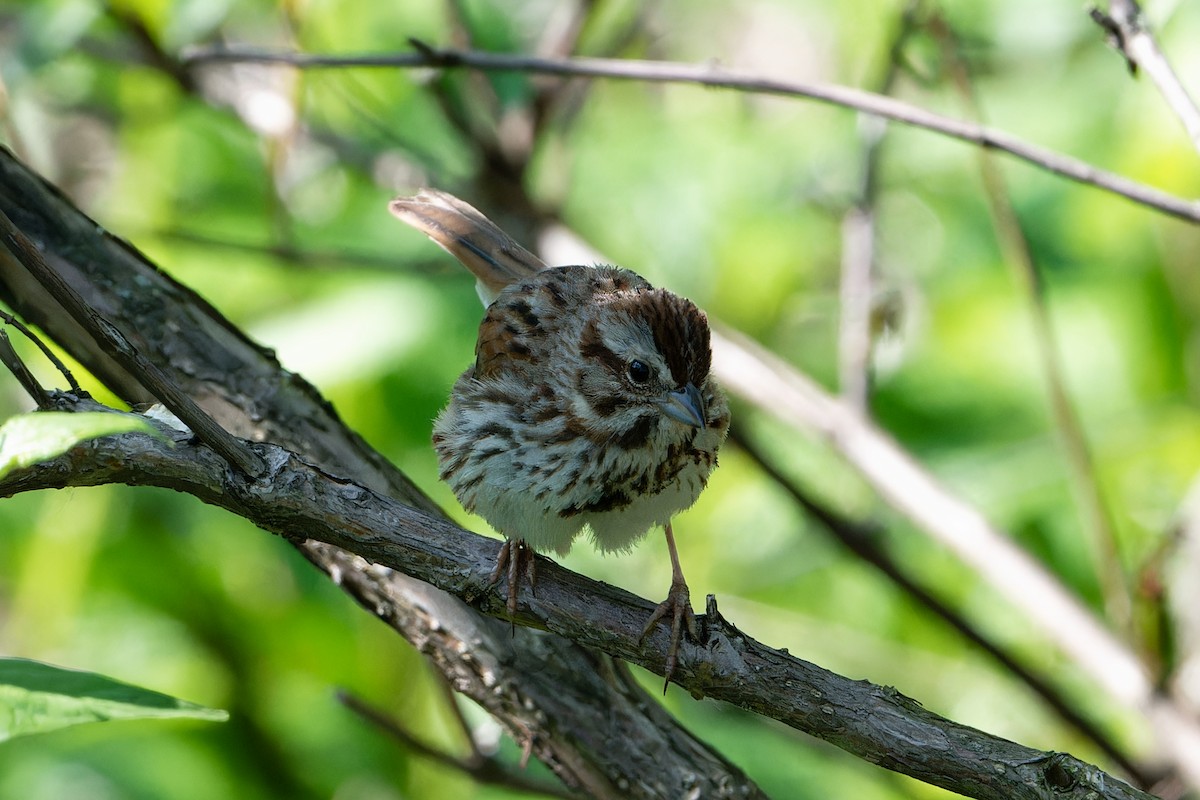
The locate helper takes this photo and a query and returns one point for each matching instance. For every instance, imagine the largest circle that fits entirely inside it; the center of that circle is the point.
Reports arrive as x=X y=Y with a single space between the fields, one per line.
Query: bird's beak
x=685 y=405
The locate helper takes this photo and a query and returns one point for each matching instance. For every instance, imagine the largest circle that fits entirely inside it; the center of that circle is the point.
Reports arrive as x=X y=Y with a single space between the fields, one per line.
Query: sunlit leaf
x=37 y=697
x=29 y=438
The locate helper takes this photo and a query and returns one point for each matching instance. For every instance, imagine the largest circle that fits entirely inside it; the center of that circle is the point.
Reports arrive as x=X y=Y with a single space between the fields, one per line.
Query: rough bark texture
x=576 y=710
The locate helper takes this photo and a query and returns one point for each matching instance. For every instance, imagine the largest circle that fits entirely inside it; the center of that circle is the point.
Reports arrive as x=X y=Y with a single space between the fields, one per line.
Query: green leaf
x=29 y=438
x=37 y=697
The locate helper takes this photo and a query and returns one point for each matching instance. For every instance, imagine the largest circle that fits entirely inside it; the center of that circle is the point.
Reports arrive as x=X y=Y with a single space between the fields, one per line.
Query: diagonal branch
x=711 y=76
x=50 y=355
x=299 y=501
x=114 y=343
x=10 y=359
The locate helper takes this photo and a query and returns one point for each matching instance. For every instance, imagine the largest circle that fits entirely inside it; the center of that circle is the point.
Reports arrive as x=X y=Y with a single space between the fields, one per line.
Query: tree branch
x=10 y=359
x=709 y=75
x=299 y=501
x=121 y=351
x=9 y=319
x=1099 y=525
x=860 y=233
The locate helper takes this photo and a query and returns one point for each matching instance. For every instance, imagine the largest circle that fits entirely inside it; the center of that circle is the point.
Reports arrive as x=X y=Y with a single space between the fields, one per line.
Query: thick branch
x=709 y=75
x=298 y=501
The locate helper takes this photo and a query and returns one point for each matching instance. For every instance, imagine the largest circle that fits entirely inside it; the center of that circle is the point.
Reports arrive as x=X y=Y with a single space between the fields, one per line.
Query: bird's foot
x=678 y=606
x=518 y=557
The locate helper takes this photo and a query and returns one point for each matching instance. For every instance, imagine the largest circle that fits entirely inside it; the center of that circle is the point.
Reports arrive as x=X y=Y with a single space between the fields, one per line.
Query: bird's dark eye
x=638 y=372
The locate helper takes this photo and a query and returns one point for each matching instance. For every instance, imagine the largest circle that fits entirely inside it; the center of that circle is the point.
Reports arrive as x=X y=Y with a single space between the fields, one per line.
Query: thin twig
x=46 y=351
x=709 y=75
x=1129 y=33
x=451 y=699
x=1081 y=472
x=486 y=770
x=10 y=359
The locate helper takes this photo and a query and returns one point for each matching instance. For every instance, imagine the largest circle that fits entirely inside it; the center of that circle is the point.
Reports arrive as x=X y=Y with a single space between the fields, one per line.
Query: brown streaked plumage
x=590 y=406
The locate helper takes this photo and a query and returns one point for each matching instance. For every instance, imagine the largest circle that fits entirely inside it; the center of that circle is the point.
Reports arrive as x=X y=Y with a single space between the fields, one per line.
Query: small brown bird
x=589 y=407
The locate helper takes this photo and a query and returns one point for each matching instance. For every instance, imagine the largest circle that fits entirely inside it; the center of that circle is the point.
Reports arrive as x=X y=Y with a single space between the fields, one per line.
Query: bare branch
x=859 y=234
x=1098 y=524
x=10 y=359
x=298 y=501
x=46 y=351
x=862 y=539
x=712 y=76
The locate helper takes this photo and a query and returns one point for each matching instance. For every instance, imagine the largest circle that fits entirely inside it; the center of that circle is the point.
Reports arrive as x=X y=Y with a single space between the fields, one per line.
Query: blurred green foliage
x=734 y=200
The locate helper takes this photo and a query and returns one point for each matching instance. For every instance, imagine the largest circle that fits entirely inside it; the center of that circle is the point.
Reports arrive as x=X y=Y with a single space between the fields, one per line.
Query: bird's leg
x=518 y=557
x=679 y=605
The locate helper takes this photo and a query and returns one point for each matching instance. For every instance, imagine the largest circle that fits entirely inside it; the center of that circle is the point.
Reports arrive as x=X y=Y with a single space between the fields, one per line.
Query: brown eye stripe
x=607 y=405
x=680 y=332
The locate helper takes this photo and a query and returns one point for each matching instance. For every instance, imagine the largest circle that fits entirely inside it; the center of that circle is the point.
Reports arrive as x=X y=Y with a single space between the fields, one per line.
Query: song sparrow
x=589 y=407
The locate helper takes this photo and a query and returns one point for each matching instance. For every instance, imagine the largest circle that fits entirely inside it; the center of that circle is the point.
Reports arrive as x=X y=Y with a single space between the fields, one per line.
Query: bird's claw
x=518 y=562
x=679 y=606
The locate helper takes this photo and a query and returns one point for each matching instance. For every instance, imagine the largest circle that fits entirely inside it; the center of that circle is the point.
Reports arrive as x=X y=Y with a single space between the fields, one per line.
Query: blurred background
x=265 y=188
